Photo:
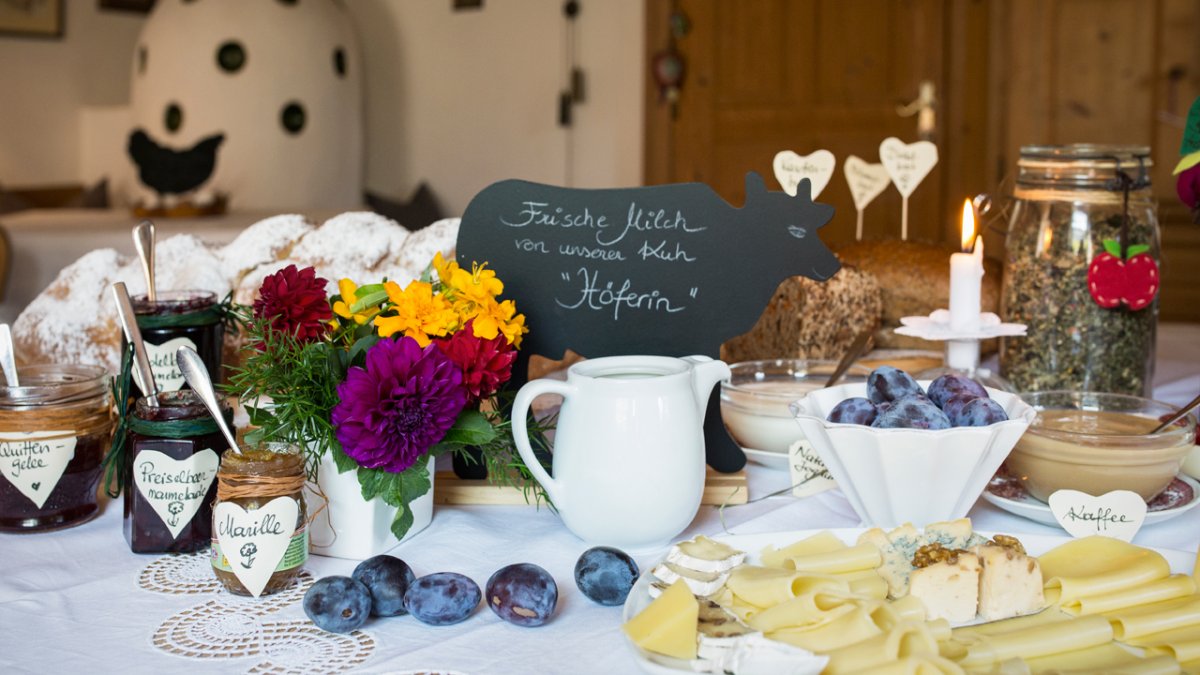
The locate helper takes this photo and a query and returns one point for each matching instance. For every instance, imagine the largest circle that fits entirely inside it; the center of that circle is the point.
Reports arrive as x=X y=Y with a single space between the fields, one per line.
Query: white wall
x=45 y=82
x=463 y=99
x=456 y=99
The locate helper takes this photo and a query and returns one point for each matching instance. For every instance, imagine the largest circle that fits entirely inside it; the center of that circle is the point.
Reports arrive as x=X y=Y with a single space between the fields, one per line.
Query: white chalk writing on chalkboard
x=610 y=296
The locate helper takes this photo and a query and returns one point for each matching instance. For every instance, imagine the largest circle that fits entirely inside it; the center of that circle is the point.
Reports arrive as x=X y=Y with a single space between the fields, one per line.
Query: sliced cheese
x=1156 y=618
x=1096 y=566
x=905 y=640
x=769 y=586
x=823 y=542
x=849 y=627
x=756 y=654
x=1043 y=640
x=864 y=556
x=705 y=555
x=668 y=625
x=807 y=610
x=950 y=590
x=1108 y=659
x=1010 y=583
x=1174 y=586
x=700 y=583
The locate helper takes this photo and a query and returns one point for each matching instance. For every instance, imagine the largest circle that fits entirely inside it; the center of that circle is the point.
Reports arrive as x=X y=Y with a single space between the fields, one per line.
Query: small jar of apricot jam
x=253 y=480
x=54 y=429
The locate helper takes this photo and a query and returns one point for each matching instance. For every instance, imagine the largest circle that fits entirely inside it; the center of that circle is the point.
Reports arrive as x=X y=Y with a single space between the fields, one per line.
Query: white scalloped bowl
x=897 y=476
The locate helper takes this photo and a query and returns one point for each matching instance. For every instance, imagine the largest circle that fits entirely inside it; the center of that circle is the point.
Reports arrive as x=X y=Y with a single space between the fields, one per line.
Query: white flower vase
x=346 y=525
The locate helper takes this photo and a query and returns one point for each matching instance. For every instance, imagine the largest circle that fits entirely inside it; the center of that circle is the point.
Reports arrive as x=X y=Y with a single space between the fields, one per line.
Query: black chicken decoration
x=170 y=171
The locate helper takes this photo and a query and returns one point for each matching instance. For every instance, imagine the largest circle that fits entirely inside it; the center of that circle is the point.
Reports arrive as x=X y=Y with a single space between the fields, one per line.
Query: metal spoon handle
x=143 y=241
x=134 y=335
x=856 y=350
x=1179 y=415
x=196 y=374
x=8 y=356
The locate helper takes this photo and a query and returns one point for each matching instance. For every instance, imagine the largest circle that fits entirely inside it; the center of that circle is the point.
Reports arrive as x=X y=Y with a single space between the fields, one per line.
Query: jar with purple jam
x=175 y=450
x=54 y=429
x=179 y=319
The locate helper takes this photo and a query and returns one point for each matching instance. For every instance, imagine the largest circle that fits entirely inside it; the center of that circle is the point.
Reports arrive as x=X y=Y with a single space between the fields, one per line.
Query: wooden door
x=768 y=75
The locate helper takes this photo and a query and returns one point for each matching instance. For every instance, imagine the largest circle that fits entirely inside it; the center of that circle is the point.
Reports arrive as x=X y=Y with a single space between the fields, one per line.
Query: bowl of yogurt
x=755 y=403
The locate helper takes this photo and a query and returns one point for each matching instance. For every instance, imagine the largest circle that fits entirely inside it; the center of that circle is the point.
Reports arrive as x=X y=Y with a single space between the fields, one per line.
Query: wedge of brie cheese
x=700 y=583
x=705 y=555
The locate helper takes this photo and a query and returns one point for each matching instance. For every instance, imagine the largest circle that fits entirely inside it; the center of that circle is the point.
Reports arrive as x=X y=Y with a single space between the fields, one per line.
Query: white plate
x=771 y=460
x=639 y=597
x=1030 y=507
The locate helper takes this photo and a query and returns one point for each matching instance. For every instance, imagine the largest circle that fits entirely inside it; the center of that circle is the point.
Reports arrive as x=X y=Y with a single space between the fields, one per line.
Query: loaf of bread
x=74 y=319
x=915 y=280
x=811 y=319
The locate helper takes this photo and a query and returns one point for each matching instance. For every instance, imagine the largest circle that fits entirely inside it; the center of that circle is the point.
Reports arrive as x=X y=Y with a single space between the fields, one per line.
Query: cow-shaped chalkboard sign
x=669 y=270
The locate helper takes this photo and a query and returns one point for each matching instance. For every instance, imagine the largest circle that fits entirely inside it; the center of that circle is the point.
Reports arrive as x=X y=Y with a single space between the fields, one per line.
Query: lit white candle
x=966 y=276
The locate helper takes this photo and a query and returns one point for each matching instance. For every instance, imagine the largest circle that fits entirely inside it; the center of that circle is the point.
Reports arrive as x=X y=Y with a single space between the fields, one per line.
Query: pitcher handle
x=706 y=373
x=520 y=430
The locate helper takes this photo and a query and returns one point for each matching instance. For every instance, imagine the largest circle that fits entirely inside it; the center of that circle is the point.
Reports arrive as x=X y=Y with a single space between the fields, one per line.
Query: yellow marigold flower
x=419 y=313
x=445 y=268
x=497 y=318
x=349 y=292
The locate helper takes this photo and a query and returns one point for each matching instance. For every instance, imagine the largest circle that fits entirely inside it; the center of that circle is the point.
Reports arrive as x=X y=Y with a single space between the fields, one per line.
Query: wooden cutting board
x=719 y=488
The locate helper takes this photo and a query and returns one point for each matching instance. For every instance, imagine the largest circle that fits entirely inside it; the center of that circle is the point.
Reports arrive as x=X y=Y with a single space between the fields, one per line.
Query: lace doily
x=227 y=626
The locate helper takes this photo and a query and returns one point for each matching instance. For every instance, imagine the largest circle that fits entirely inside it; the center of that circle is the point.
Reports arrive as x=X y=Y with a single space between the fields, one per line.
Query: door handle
x=923 y=108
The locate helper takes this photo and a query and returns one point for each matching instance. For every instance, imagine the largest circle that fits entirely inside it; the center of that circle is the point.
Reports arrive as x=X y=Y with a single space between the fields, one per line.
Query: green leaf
x=370 y=299
x=259 y=417
x=360 y=347
x=471 y=428
x=343 y=461
x=372 y=482
x=1137 y=249
x=402 y=522
x=1113 y=247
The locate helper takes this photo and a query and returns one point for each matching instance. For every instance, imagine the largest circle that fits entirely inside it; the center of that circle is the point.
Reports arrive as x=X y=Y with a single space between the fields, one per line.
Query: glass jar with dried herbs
x=1081 y=270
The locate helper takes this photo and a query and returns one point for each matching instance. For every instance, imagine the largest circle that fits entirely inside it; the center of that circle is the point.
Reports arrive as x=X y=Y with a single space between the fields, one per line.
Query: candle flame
x=968 y=225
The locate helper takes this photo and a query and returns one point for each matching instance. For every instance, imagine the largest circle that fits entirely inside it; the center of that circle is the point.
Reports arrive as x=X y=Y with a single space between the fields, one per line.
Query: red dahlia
x=294 y=302
x=485 y=364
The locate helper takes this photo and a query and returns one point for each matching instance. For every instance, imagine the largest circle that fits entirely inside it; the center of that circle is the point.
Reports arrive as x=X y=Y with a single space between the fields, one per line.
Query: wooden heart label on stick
x=907 y=164
x=866 y=181
x=791 y=168
x=1118 y=514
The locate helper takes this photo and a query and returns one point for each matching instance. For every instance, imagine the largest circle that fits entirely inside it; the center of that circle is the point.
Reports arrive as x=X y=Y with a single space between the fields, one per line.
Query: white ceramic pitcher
x=629 y=461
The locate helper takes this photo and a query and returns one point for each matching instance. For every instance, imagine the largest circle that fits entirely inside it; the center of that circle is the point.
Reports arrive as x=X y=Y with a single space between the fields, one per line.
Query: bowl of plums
x=904 y=450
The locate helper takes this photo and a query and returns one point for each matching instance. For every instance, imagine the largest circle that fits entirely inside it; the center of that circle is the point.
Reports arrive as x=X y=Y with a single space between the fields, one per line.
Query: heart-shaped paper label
x=255 y=541
x=1118 y=514
x=809 y=474
x=33 y=462
x=174 y=488
x=907 y=163
x=866 y=181
x=167 y=375
x=791 y=168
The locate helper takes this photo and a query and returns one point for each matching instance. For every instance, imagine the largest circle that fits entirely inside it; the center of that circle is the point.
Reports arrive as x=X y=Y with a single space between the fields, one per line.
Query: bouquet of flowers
x=382 y=377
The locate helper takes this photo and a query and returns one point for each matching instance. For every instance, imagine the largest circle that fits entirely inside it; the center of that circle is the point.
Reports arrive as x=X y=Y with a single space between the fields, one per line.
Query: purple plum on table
x=605 y=575
x=442 y=598
x=979 y=412
x=338 y=604
x=522 y=594
x=950 y=385
x=856 y=410
x=912 y=412
x=387 y=578
x=886 y=383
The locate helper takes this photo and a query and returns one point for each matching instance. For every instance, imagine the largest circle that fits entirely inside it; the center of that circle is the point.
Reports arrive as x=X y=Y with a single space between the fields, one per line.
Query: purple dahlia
x=399 y=406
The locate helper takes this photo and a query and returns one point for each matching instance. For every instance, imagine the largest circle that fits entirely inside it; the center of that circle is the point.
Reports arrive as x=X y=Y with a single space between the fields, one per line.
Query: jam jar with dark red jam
x=179 y=319
x=175 y=450
x=54 y=429
x=260 y=534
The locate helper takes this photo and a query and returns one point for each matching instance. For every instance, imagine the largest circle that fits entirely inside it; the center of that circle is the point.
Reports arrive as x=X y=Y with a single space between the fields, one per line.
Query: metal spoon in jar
x=8 y=356
x=196 y=374
x=857 y=349
x=143 y=241
x=1178 y=416
x=134 y=335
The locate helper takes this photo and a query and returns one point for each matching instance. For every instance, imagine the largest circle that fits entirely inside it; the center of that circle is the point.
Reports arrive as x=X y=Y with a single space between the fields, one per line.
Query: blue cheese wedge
x=896 y=565
x=700 y=583
x=949 y=590
x=705 y=555
x=953 y=534
x=1010 y=583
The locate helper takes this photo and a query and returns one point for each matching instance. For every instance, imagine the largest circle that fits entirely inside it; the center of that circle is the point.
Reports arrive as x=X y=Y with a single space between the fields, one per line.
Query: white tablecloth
x=70 y=600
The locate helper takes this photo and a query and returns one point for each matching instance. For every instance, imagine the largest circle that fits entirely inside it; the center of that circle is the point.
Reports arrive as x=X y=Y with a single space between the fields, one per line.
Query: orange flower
x=419 y=313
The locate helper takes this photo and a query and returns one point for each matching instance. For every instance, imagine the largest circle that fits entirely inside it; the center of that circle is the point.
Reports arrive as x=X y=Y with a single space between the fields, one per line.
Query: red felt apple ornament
x=1132 y=281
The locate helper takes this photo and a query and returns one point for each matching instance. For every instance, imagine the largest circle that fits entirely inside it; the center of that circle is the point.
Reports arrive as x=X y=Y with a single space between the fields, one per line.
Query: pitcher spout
x=706 y=373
